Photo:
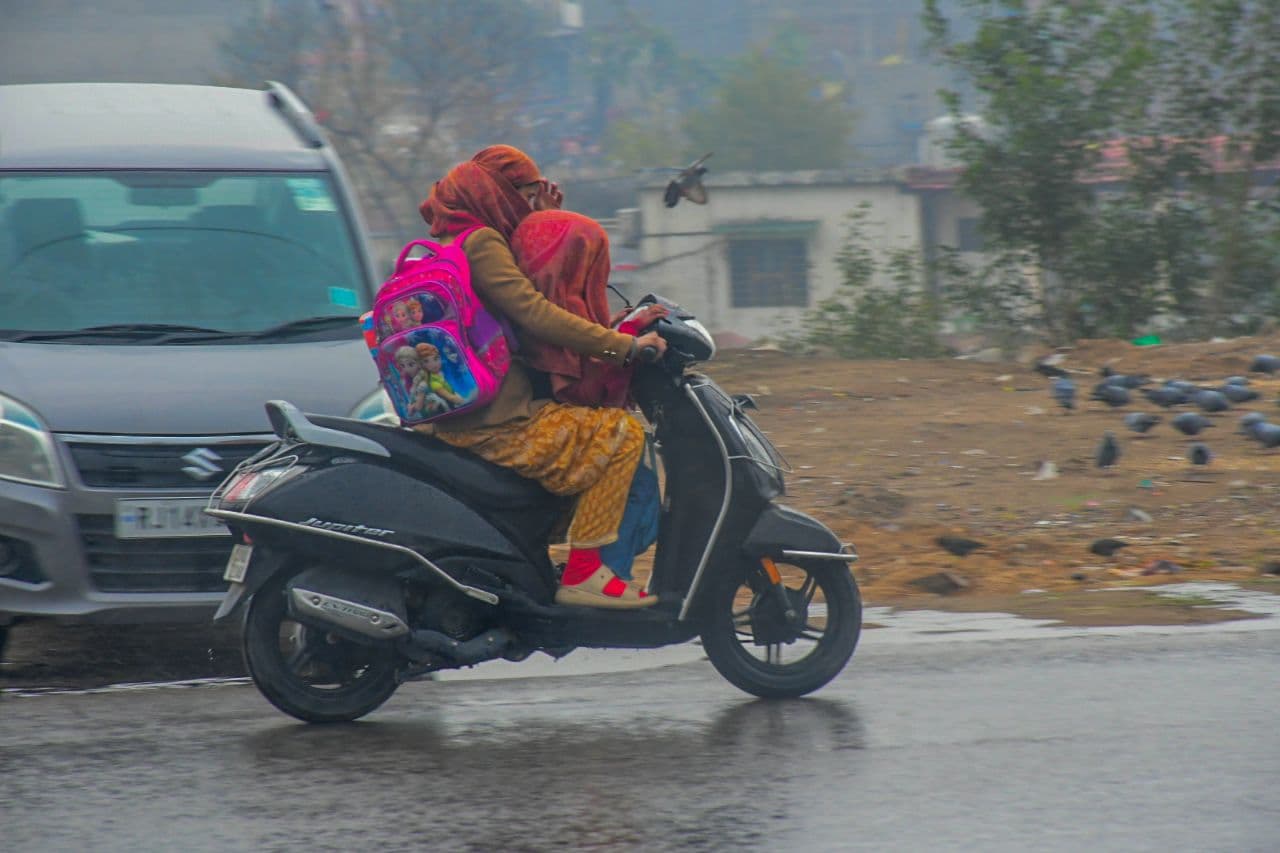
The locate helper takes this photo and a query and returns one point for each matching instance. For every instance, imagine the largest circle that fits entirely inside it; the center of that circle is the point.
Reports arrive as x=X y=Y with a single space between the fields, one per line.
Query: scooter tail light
x=251 y=484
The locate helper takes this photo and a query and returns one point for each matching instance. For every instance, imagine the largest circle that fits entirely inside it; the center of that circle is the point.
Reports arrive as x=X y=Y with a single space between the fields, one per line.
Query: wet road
x=1121 y=743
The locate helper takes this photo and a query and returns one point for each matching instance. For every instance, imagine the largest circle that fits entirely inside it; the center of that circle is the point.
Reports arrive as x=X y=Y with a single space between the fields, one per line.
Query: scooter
x=370 y=555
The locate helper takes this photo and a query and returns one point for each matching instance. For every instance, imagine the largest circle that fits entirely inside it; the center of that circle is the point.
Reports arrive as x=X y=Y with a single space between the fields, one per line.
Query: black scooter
x=371 y=555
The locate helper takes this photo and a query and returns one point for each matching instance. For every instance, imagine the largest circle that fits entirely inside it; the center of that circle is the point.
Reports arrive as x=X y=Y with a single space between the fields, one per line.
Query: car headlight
x=376 y=408
x=27 y=451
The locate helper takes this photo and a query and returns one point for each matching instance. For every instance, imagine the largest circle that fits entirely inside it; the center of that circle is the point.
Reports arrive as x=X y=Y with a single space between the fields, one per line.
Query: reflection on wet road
x=1135 y=743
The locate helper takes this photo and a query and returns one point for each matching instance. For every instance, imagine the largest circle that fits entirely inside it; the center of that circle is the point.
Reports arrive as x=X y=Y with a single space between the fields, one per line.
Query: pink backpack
x=439 y=353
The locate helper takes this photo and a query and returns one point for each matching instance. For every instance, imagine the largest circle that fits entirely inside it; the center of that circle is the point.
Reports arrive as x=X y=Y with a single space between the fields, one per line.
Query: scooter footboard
x=781 y=532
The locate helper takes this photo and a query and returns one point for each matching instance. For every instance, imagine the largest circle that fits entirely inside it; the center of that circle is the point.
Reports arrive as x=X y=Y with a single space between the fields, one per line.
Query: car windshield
x=206 y=255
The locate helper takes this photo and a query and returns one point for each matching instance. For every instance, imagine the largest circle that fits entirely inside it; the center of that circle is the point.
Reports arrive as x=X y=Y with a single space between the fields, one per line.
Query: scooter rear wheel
x=309 y=673
x=785 y=641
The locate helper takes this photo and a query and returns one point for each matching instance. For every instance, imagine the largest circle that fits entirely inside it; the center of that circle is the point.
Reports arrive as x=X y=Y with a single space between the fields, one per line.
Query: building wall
x=682 y=255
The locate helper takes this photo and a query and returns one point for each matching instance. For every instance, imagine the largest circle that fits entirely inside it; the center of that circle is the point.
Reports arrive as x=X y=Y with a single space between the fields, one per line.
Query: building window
x=968 y=235
x=769 y=272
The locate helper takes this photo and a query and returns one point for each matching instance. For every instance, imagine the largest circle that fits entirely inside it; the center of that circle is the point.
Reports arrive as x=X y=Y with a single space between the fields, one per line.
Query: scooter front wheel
x=786 y=639
x=309 y=673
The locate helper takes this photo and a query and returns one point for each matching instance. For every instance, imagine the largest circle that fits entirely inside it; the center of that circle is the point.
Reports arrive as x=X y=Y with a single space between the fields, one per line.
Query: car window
x=231 y=252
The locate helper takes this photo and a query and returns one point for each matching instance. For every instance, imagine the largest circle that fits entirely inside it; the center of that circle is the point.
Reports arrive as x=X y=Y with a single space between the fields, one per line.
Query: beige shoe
x=591 y=593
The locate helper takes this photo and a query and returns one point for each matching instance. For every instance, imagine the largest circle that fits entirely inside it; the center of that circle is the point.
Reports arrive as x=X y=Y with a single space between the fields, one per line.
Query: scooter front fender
x=263 y=564
x=781 y=531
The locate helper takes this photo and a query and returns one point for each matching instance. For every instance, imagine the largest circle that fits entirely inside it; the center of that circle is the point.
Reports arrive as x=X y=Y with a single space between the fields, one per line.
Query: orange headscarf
x=566 y=256
x=481 y=191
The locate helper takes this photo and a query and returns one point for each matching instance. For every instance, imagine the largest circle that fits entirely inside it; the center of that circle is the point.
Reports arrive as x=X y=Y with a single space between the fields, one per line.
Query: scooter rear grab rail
x=288 y=422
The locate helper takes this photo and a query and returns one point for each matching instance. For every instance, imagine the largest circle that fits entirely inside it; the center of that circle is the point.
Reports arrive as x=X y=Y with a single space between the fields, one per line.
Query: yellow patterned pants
x=570 y=450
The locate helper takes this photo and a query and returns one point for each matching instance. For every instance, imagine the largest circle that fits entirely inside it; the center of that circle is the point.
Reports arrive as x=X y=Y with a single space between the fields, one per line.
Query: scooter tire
x=288 y=692
x=774 y=680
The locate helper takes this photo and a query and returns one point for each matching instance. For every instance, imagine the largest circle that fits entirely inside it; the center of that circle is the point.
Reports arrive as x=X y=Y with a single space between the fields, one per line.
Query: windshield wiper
x=135 y=331
x=307 y=324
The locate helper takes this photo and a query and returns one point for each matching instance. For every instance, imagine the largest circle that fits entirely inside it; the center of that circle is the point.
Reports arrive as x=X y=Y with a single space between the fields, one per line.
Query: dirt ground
x=894 y=454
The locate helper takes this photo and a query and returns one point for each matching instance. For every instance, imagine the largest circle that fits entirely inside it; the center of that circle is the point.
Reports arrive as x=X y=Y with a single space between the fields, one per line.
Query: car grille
x=156 y=466
x=192 y=564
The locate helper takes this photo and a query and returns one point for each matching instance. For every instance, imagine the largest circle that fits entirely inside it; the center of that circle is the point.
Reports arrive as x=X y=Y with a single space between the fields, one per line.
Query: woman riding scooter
x=569 y=449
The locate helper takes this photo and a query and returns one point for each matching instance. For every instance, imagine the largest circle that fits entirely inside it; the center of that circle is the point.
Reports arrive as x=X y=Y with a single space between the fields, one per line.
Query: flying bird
x=1107 y=547
x=1140 y=422
x=1190 y=423
x=688 y=184
x=958 y=545
x=1108 y=452
x=1064 y=391
x=1199 y=453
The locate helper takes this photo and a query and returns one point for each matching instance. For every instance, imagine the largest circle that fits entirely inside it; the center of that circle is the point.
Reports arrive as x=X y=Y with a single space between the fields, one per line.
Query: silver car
x=170 y=258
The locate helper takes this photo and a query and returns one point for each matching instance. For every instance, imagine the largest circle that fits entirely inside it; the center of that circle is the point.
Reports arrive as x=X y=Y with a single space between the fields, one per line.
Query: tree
x=1055 y=81
x=1217 y=124
x=767 y=114
x=405 y=88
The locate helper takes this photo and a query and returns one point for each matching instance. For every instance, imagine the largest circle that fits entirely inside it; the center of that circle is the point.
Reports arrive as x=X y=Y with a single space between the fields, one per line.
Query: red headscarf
x=481 y=191
x=566 y=256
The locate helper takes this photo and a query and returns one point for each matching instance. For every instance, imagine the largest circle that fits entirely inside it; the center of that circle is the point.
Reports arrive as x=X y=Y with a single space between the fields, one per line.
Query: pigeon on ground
x=1236 y=380
x=1126 y=380
x=958 y=545
x=1107 y=547
x=1210 y=401
x=1190 y=423
x=1266 y=434
x=1064 y=391
x=1165 y=397
x=1265 y=364
x=1048 y=366
x=1247 y=421
x=1238 y=393
x=1140 y=421
x=1108 y=452
x=1199 y=453
x=1113 y=395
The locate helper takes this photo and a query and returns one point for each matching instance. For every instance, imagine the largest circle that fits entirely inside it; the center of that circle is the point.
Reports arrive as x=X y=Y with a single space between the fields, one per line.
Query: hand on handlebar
x=650 y=341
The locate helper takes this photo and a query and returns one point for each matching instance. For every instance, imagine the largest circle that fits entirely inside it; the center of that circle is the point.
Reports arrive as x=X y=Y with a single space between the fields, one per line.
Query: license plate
x=238 y=563
x=165 y=519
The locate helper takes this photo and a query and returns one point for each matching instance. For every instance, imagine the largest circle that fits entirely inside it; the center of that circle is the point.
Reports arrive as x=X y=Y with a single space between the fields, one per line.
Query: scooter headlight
x=702 y=332
x=27 y=450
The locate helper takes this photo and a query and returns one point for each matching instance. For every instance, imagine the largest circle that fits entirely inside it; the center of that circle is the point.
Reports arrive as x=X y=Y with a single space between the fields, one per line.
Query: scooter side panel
x=383 y=505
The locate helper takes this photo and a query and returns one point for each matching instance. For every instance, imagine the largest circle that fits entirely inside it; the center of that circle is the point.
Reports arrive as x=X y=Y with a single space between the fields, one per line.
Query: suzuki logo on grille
x=202 y=463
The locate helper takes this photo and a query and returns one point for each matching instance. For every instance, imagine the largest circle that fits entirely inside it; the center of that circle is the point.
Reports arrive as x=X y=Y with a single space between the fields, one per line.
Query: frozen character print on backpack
x=455 y=369
x=430 y=382
x=400 y=319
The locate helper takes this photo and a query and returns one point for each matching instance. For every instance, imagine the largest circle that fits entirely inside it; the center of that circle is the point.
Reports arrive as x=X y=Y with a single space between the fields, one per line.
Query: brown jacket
x=507 y=292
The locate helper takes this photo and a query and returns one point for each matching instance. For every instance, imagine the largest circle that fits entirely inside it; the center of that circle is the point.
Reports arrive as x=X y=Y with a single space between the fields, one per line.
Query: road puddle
x=1254 y=611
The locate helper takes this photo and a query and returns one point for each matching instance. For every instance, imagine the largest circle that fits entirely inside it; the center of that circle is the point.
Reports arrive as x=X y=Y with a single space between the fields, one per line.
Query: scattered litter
x=1048 y=471
x=1161 y=567
x=1140 y=515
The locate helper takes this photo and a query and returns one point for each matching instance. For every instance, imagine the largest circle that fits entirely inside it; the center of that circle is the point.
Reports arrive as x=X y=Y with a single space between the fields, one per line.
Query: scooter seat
x=480 y=481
